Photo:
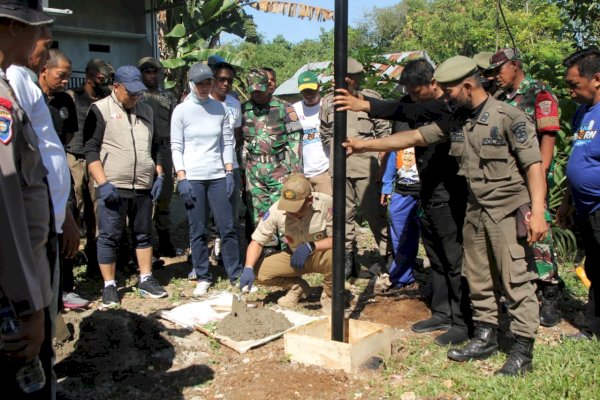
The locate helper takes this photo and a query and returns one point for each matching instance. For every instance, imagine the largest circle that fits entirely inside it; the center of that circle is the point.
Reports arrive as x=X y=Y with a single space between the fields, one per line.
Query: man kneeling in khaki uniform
x=304 y=218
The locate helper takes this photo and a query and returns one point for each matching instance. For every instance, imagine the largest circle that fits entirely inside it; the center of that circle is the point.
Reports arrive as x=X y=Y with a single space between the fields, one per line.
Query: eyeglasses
x=223 y=80
x=105 y=80
x=134 y=95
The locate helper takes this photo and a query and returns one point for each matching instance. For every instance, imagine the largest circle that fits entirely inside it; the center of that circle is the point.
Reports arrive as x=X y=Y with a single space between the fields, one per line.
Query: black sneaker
x=110 y=297
x=150 y=287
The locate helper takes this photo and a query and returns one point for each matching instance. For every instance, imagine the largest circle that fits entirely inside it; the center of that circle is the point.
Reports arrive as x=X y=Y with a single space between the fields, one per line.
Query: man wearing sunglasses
x=162 y=103
x=120 y=149
x=98 y=77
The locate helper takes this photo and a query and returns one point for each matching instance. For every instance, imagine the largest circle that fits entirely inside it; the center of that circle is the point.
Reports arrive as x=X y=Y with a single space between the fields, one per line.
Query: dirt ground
x=131 y=353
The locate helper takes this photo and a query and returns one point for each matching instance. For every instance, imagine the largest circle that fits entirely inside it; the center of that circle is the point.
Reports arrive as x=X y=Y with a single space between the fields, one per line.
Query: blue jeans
x=212 y=193
x=404 y=235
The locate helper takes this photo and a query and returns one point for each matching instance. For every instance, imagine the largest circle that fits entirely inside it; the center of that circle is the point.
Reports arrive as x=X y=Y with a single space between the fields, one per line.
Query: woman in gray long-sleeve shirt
x=202 y=149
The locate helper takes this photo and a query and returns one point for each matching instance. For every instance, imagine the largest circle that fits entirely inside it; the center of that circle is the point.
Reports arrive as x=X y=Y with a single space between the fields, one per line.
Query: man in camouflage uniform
x=272 y=148
x=363 y=183
x=162 y=103
x=535 y=98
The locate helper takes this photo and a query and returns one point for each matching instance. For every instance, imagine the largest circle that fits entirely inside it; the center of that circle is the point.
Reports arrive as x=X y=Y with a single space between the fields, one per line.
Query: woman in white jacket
x=201 y=145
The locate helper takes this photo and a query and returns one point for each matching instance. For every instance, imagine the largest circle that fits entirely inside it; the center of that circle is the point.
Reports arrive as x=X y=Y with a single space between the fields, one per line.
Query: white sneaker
x=201 y=288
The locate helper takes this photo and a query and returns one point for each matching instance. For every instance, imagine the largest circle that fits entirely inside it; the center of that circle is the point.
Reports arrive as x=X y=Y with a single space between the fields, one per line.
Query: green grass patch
x=563 y=370
x=573 y=284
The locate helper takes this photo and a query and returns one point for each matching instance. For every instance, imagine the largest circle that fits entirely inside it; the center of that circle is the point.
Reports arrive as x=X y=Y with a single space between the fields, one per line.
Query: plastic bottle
x=30 y=376
x=580 y=271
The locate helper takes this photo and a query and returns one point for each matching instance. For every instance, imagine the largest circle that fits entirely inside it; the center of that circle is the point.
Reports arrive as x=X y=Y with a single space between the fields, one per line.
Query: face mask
x=193 y=96
x=101 y=90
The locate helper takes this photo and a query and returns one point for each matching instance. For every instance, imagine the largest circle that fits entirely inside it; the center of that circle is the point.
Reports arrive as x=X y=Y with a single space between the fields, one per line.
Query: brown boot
x=297 y=292
x=325 y=304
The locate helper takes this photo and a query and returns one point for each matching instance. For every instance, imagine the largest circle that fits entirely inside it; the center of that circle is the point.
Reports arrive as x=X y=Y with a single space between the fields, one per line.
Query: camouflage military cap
x=258 y=80
x=98 y=66
x=354 y=67
x=293 y=193
x=455 y=69
x=483 y=59
x=149 y=63
x=502 y=56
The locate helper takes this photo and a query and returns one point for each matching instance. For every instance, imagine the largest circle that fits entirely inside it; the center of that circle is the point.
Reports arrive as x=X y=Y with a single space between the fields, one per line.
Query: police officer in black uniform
x=162 y=103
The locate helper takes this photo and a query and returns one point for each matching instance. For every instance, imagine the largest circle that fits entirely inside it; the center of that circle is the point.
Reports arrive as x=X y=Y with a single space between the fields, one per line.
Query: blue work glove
x=229 y=184
x=108 y=193
x=247 y=278
x=157 y=187
x=184 y=187
x=301 y=254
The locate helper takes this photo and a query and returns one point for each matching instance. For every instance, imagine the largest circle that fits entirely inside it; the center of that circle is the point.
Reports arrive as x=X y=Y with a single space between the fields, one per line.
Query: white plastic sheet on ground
x=198 y=314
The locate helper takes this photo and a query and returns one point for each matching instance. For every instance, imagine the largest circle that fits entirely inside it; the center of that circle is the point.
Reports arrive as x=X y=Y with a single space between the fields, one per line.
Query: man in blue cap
x=120 y=151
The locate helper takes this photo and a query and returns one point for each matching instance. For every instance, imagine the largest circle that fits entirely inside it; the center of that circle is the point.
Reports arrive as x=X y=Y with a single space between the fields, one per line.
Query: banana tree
x=189 y=30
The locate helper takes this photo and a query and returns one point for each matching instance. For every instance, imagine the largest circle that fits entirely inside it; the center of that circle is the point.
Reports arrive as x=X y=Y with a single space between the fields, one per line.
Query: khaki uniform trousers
x=275 y=270
x=85 y=193
x=495 y=260
x=365 y=193
x=321 y=183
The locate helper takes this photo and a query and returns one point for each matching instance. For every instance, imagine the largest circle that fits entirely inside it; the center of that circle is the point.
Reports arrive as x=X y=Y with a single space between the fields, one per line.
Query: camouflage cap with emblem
x=308 y=80
x=295 y=190
x=258 y=80
x=455 y=69
x=503 y=56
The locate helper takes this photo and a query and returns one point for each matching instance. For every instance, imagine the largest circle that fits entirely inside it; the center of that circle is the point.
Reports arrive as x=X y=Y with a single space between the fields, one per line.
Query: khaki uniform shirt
x=493 y=152
x=24 y=210
x=359 y=125
x=316 y=225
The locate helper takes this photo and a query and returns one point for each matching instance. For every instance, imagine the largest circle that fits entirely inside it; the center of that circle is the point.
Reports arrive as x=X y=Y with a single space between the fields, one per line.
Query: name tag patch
x=495 y=139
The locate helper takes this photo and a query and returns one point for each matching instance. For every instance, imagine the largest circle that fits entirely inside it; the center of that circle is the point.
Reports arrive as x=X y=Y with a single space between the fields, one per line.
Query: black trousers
x=441 y=233
x=590 y=234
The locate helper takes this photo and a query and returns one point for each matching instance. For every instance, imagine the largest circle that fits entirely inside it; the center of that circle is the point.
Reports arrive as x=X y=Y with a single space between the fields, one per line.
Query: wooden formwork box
x=312 y=344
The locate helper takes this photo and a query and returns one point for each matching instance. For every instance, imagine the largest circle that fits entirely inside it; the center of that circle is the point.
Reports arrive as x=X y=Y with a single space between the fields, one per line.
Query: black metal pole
x=340 y=69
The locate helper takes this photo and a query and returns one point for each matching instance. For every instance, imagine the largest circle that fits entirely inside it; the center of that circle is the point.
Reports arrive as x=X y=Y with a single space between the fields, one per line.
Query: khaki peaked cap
x=455 y=69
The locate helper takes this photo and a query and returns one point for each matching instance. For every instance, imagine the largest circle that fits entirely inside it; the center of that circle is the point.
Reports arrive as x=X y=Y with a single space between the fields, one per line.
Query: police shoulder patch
x=484 y=117
x=520 y=131
x=6 y=121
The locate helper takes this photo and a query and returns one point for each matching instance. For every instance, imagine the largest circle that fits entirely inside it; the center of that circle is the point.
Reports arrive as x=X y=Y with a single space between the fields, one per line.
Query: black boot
x=483 y=345
x=435 y=323
x=349 y=266
x=550 y=295
x=519 y=359
x=454 y=336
